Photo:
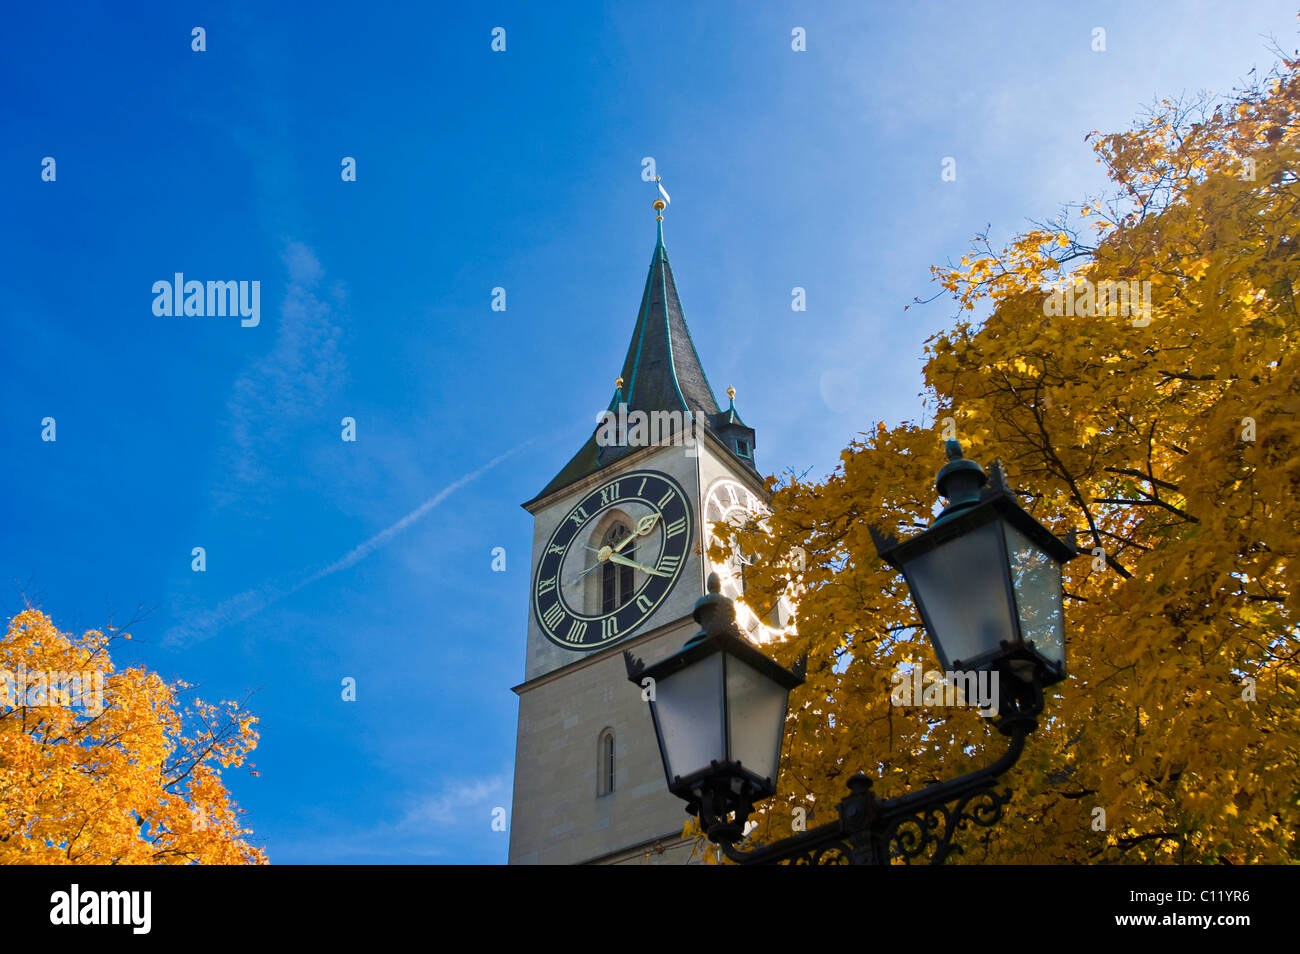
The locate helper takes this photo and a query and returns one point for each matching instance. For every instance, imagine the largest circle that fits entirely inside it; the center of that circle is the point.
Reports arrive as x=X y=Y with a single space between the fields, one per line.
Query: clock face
x=612 y=560
x=730 y=504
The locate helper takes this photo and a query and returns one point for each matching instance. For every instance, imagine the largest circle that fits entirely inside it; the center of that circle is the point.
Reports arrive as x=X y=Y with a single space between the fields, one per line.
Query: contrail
x=245 y=605
x=359 y=553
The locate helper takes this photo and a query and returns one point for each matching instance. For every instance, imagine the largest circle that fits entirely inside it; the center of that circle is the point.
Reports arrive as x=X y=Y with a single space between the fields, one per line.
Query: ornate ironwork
x=634 y=666
x=928 y=834
x=919 y=827
x=836 y=853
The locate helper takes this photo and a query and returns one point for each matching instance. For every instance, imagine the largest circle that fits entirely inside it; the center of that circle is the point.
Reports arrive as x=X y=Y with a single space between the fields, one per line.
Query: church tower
x=618 y=562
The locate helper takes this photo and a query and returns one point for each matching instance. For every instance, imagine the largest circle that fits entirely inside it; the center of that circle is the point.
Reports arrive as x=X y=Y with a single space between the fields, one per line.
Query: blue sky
x=475 y=169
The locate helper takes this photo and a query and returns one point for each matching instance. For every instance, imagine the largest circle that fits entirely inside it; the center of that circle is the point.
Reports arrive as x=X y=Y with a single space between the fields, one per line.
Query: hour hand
x=619 y=558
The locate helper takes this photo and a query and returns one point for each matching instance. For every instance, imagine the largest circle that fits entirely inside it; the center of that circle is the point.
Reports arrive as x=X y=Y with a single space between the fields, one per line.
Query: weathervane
x=661 y=204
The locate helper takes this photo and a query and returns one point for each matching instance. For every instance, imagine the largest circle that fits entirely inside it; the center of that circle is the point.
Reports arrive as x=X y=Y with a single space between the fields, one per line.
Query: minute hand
x=643 y=526
x=619 y=558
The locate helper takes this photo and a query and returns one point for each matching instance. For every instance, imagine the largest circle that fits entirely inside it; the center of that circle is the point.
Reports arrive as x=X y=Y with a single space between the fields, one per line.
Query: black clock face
x=612 y=560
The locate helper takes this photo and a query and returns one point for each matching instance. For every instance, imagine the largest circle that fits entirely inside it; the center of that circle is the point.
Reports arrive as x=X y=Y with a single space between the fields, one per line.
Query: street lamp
x=986 y=579
x=718 y=706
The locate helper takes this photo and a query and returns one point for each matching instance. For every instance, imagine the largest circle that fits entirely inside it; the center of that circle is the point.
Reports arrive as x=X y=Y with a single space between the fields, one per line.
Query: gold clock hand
x=643 y=526
x=619 y=558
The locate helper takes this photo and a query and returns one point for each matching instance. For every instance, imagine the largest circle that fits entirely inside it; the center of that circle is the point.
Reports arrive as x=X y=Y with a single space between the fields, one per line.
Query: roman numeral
x=545 y=586
x=669 y=563
x=555 y=548
x=579 y=516
x=665 y=500
x=643 y=603
x=674 y=528
x=731 y=492
x=576 y=632
x=608 y=493
x=609 y=627
x=640 y=490
x=551 y=618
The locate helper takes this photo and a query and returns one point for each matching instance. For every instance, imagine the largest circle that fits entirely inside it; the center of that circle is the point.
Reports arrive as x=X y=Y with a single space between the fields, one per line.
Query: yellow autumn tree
x=107 y=766
x=1168 y=437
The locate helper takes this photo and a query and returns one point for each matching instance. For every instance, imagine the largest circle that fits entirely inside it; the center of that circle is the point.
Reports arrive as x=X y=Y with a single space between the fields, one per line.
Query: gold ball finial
x=731 y=393
x=618 y=384
x=659 y=205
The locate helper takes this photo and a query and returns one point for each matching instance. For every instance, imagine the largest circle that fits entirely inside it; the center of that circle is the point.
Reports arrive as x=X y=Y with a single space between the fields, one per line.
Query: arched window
x=605 y=763
x=617 y=582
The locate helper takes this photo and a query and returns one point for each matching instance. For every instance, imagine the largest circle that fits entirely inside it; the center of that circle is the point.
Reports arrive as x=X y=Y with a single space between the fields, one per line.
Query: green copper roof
x=662 y=371
x=730 y=415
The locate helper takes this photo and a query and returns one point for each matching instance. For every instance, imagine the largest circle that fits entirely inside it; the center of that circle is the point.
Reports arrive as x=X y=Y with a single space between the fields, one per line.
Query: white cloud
x=289 y=383
x=461 y=802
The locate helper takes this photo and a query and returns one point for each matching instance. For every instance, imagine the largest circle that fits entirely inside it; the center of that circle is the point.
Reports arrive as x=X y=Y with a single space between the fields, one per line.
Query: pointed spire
x=729 y=416
x=734 y=432
x=662 y=372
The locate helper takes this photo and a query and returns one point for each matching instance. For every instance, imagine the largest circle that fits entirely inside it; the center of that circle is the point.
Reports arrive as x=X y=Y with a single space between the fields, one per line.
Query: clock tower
x=618 y=562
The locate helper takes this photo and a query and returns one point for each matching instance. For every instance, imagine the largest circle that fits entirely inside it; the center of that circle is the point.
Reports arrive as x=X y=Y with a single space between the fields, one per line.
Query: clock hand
x=595 y=566
x=643 y=526
x=619 y=558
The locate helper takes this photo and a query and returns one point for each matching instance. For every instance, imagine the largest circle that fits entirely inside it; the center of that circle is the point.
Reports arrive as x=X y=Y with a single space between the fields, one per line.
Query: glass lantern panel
x=1036 y=578
x=961 y=588
x=757 y=718
x=689 y=706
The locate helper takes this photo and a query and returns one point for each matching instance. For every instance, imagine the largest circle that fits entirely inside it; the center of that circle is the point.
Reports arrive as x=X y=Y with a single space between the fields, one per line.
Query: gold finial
x=731 y=393
x=661 y=203
x=618 y=384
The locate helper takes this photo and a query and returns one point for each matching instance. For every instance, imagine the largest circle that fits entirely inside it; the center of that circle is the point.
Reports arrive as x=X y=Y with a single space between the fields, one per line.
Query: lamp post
x=718 y=706
x=986 y=580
